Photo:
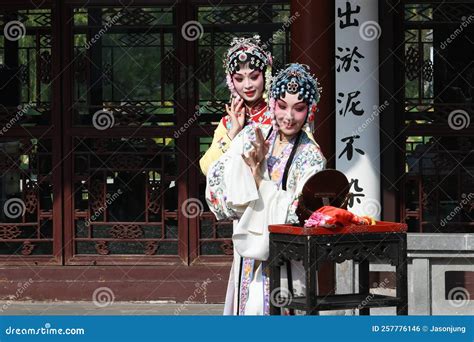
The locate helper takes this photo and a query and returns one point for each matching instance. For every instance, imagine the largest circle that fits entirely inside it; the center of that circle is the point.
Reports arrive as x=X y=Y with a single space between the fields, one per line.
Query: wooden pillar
x=392 y=165
x=313 y=43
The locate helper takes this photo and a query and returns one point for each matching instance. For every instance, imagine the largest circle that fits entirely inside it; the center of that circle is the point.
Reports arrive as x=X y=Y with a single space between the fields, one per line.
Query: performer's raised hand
x=257 y=155
x=236 y=111
x=261 y=146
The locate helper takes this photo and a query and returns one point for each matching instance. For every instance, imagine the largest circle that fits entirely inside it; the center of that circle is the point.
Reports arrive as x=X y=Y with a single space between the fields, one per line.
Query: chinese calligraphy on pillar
x=357 y=102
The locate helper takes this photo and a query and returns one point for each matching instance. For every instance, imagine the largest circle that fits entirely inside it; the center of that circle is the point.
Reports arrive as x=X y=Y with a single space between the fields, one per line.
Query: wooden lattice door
x=120 y=101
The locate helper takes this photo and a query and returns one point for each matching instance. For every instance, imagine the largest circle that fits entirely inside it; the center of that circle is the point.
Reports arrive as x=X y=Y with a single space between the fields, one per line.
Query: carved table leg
x=364 y=286
x=289 y=277
x=311 y=267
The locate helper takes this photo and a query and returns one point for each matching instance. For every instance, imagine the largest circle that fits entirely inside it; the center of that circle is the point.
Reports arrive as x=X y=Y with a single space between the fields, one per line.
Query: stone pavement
x=65 y=308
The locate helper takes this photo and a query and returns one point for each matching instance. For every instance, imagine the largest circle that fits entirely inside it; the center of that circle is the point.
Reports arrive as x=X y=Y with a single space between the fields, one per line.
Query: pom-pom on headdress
x=297 y=79
x=247 y=50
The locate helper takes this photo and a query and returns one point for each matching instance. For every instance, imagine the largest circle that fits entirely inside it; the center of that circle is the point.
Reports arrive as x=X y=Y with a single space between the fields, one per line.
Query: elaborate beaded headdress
x=296 y=79
x=247 y=50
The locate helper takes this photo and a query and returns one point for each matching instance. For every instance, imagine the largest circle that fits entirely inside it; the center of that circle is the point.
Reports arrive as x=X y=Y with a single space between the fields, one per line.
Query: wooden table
x=383 y=242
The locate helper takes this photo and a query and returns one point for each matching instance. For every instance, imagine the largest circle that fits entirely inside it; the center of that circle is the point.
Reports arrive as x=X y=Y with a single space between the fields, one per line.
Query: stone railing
x=430 y=256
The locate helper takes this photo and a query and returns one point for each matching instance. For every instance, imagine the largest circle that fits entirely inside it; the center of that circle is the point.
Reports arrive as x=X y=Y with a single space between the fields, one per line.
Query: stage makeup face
x=290 y=114
x=249 y=84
